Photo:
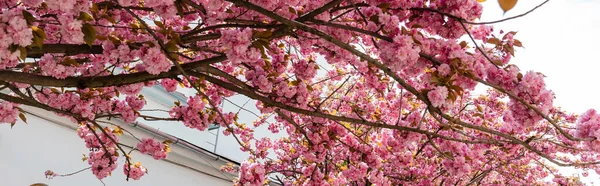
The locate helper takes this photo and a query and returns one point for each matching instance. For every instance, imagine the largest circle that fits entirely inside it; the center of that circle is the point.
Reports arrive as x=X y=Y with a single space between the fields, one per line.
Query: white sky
x=561 y=40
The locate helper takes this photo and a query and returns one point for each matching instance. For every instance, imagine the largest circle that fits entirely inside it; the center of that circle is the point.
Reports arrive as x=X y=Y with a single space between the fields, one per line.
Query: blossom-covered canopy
x=368 y=92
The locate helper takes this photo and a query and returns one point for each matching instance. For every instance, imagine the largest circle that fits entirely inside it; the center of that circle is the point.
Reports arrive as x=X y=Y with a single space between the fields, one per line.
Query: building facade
x=50 y=142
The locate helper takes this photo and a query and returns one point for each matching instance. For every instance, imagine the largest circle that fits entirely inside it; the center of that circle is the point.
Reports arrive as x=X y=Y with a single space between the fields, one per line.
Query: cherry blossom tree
x=368 y=92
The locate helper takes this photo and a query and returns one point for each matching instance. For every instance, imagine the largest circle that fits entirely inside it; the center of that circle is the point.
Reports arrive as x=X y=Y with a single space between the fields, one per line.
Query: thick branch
x=101 y=81
x=67 y=49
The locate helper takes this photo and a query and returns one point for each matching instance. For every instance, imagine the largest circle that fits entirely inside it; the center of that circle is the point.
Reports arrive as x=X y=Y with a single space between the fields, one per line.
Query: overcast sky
x=561 y=41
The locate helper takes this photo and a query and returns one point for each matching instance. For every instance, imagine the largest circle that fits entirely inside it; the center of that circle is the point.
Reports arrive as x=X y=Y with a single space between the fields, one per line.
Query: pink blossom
x=20 y=32
x=155 y=61
x=400 y=53
x=444 y=69
x=438 y=96
x=8 y=112
x=169 y=84
x=102 y=163
x=32 y=3
x=71 y=29
x=50 y=66
x=251 y=174
x=154 y=148
x=305 y=70
x=136 y=103
x=62 y=5
x=128 y=2
x=132 y=89
x=135 y=171
x=236 y=43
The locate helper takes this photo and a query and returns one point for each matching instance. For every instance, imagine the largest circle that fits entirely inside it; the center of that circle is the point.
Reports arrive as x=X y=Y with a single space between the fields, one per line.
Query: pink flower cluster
x=66 y=101
x=13 y=31
x=155 y=61
x=8 y=112
x=193 y=115
x=61 y=5
x=50 y=66
x=481 y=32
x=71 y=29
x=438 y=96
x=252 y=174
x=32 y=3
x=16 y=31
x=131 y=89
x=458 y=166
x=152 y=147
x=163 y=8
x=305 y=70
x=93 y=142
x=259 y=79
x=533 y=90
x=588 y=126
x=169 y=84
x=135 y=171
x=129 y=2
x=399 y=54
x=237 y=45
x=102 y=163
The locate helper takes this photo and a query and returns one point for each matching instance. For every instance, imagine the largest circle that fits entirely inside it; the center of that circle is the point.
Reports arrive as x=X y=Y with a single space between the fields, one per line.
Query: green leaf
x=463 y=44
x=171 y=46
x=23 y=53
x=38 y=36
x=176 y=37
x=510 y=49
x=114 y=40
x=292 y=10
x=497 y=62
x=517 y=43
x=70 y=62
x=494 y=41
x=384 y=6
x=28 y=17
x=85 y=16
x=22 y=116
x=159 y=24
x=89 y=33
x=262 y=34
x=374 y=19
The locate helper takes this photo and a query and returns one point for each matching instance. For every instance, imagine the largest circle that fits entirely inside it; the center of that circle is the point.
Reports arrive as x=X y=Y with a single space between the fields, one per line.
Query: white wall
x=28 y=150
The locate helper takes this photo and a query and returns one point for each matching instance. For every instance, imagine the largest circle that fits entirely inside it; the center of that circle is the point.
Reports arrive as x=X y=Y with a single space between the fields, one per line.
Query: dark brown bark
x=101 y=81
x=66 y=49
